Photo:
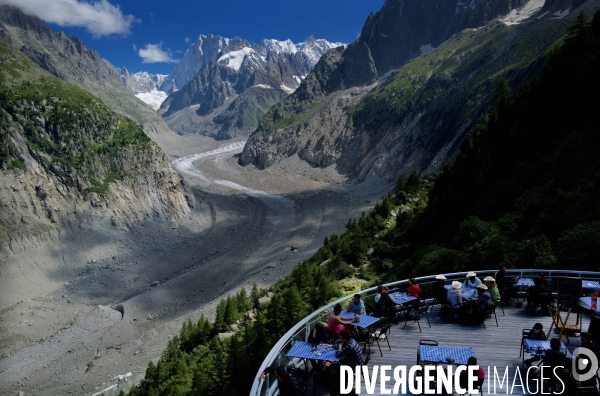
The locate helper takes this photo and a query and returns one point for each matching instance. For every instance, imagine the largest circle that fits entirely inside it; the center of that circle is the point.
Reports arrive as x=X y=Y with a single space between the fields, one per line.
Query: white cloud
x=187 y=40
x=153 y=53
x=100 y=17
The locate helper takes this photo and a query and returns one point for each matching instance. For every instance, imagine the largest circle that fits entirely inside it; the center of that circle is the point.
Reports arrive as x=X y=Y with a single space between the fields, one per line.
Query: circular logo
x=584 y=364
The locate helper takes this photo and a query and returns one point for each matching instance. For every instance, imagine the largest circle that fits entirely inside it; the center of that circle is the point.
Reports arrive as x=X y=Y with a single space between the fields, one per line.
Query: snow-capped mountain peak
x=278 y=47
x=234 y=59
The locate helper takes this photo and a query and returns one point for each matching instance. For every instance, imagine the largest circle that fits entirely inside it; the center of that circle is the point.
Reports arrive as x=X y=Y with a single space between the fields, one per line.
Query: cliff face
x=401 y=28
x=69 y=59
x=416 y=118
x=68 y=160
x=236 y=84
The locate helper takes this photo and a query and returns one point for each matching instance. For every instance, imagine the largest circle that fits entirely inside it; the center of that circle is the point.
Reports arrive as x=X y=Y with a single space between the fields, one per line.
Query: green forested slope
x=68 y=131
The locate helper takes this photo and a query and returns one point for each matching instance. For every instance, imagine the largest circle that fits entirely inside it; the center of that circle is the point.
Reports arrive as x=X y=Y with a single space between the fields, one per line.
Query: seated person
x=414 y=291
x=536 y=333
x=349 y=352
x=472 y=280
x=336 y=323
x=284 y=382
x=454 y=298
x=538 y=295
x=439 y=291
x=385 y=304
x=464 y=376
x=356 y=305
x=587 y=342
x=318 y=335
x=492 y=288
x=554 y=358
x=483 y=303
x=456 y=303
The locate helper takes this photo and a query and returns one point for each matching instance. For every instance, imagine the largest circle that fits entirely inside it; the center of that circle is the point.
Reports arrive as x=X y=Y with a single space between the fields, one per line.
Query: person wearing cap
x=472 y=280
x=492 y=288
x=439 y=291
x=356 y=305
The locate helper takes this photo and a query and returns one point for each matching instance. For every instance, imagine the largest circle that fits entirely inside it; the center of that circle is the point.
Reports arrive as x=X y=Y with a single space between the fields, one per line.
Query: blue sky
x=152 y=35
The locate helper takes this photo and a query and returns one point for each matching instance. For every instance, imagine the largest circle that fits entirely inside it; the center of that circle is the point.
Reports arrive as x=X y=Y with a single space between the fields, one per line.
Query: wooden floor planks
x=493 y=346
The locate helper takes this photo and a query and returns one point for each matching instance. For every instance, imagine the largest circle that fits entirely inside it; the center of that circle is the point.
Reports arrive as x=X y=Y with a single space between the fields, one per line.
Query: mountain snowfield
x=153 y=98
x=228 y=52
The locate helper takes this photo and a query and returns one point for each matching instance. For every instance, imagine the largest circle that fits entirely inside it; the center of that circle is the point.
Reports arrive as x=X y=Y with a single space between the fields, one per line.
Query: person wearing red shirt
x=413 y=289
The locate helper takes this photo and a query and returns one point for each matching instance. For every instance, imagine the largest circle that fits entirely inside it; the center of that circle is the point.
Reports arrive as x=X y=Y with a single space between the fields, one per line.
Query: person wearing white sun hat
x=439 y=291
x=492 y=288
x=472 y=280
x=454 y=297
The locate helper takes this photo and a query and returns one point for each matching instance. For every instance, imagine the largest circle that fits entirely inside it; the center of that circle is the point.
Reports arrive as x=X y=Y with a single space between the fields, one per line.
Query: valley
x=59 y=333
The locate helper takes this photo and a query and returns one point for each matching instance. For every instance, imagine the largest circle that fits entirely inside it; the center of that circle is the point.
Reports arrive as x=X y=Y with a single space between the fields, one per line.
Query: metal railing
x=301 y=330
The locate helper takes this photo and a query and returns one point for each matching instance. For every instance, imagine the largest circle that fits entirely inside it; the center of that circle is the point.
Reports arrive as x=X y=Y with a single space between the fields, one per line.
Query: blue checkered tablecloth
x=590 y=285
x=402 y=298
x=466 y=292
x=364 y=322
x=523 y=282
x=303 y=350
x=440 y=354
x=532 y=345
x=586 y=302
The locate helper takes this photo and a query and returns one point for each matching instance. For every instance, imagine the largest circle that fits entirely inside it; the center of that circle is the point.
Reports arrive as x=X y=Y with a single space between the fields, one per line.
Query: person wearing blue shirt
x=356 y=305
x=472 y=280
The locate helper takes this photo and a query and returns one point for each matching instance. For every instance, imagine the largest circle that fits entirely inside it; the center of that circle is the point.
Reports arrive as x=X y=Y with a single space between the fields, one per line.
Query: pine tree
x=243 y=302
x=255 y=296
x=220 y=324
x=231 y=311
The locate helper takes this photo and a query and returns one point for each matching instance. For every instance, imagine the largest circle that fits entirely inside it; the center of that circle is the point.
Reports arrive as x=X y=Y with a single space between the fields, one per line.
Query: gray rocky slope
x=344 y=114
x=69 y=59
x=226 y=85
x=71 y=160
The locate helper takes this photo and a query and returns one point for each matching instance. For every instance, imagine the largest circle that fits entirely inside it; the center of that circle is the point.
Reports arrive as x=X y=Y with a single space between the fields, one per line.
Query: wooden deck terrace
x=493 y=346
x=496 y=347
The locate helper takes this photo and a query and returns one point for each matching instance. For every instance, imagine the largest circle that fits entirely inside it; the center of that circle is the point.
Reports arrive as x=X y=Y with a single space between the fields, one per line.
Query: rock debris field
x=60 y=333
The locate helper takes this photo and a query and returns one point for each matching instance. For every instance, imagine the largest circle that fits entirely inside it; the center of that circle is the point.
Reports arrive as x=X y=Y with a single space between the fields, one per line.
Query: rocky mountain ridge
x=415 y=119
x=69 y=59
x=235 y=83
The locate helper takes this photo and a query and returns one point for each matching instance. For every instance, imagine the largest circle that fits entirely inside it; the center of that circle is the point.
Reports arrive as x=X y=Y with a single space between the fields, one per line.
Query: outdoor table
x=402 y=298
x=590 y=285
x=586 y=302
x=439 y=354
x=364 y=322
x=303 y=350
x=523 y=282
x=467 y=293
x=532 y=347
